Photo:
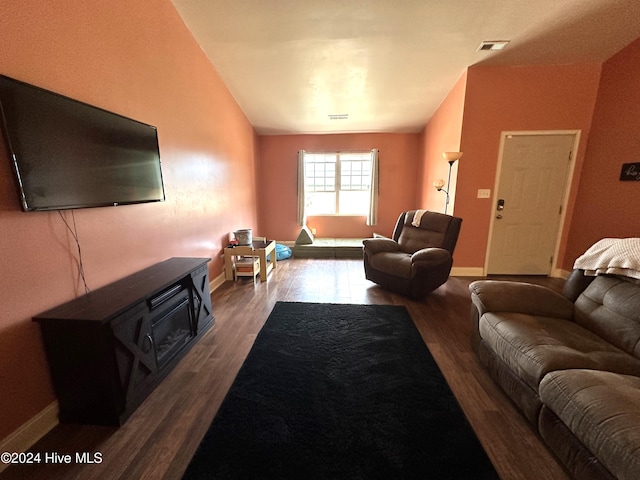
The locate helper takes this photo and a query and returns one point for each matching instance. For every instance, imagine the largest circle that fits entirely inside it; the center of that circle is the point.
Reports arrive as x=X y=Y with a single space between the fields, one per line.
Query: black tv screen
x=68 y=154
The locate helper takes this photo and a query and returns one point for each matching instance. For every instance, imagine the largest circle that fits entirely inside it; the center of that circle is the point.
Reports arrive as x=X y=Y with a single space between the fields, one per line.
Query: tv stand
x=109 y=349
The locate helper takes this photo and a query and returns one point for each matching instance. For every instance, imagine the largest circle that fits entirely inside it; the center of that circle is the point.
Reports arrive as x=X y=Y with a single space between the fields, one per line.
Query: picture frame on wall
x=630 y=172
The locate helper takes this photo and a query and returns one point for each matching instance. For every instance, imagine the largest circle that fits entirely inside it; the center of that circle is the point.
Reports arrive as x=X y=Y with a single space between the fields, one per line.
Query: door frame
x=554 y=271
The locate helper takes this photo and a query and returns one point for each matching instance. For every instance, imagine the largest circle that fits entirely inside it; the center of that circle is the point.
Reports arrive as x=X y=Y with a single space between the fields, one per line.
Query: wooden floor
x=159 y=439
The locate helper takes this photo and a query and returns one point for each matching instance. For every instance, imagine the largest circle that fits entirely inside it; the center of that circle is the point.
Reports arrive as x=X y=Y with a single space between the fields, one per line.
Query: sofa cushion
x=610 y=307
x=602 y=409
x=532 y=346
x=393 y=263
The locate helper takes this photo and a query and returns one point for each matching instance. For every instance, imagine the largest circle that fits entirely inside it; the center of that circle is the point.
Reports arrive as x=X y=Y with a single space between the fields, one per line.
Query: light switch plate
x=484 y=193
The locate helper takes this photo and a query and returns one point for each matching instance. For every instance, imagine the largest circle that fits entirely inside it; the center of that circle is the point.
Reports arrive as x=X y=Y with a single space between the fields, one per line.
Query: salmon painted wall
x=441 y=134
x=277 y=185
x=136 y=58
x=606 y=206
x=546 y=97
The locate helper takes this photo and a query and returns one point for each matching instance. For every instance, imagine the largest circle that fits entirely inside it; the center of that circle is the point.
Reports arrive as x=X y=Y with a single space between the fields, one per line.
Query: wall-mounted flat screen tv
x=68 y=154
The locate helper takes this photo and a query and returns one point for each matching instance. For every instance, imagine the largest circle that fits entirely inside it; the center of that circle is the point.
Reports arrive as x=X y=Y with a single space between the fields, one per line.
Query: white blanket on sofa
x=614 y=256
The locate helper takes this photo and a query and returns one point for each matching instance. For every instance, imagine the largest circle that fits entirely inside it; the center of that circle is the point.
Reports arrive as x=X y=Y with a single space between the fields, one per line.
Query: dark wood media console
x=109 y=349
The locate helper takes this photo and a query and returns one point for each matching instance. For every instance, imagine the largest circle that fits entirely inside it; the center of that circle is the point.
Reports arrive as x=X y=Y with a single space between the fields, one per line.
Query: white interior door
x=527 y=204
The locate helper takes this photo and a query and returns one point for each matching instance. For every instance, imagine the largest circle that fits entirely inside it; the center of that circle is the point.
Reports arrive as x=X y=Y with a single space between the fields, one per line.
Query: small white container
x=244 y=236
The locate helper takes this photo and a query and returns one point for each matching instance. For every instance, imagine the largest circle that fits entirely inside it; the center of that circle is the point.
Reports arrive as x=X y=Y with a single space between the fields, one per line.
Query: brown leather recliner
x=418 y=259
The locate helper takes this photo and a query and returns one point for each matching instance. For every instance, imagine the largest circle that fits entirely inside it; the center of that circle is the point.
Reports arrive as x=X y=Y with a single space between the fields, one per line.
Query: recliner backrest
x=435 y=230
x=610 y=307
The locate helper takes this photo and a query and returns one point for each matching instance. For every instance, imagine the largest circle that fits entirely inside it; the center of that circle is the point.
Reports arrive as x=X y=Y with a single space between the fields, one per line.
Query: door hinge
x=551 y=260
x=560 y=210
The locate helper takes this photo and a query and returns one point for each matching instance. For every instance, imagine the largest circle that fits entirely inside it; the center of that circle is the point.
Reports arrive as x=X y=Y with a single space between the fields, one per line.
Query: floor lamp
x=451 y=158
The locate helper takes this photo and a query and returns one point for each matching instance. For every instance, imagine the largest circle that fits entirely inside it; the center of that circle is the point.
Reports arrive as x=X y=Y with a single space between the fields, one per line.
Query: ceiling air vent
x=339 y=116
x=493 y=45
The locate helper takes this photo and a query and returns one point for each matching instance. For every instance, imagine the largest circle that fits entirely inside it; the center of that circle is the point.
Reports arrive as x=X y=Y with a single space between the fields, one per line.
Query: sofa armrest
x=430 y=257
x=576 y=284
x=377 y=245
x=505 y=296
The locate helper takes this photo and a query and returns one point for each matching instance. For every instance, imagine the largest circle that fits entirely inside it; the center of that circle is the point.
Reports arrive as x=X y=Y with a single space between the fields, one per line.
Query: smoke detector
x=493 y=45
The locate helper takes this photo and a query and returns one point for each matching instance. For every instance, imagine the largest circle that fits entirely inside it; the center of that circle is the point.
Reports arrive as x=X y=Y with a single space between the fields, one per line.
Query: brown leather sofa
x=571 y=363
x=418 y=258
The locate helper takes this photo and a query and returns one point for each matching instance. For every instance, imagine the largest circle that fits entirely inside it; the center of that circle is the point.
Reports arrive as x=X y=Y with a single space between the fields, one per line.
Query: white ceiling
x=388 y=64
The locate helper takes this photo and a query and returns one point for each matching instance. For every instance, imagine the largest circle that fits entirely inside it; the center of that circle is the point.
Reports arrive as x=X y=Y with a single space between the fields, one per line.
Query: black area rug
x=340 y=392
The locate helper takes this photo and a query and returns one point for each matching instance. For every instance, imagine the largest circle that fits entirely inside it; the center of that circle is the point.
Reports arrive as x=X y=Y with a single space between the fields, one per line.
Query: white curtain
x=302 y=217
x=372 y=216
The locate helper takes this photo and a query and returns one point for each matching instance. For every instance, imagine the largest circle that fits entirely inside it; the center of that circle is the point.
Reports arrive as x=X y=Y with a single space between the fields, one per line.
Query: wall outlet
x=484 y=193
x=313 y=231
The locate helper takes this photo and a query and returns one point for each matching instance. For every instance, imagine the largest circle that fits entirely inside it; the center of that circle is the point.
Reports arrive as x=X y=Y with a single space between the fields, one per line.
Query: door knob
x=500 y=205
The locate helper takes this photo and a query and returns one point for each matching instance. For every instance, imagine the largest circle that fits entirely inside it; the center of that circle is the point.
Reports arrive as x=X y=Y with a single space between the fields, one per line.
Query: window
x=337 y=183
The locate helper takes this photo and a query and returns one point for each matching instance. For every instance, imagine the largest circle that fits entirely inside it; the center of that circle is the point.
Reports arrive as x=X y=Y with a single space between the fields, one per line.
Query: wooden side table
x=259 y=248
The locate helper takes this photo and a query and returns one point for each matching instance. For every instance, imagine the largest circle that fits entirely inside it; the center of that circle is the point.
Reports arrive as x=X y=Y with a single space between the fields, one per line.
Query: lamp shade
x=452 y=156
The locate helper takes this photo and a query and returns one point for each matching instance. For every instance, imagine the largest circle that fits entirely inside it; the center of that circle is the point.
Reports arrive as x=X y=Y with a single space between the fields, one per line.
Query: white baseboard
x=560 y=273
x=467 y=272
x=32 y=431
x=479 y=272
x=216 y=282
